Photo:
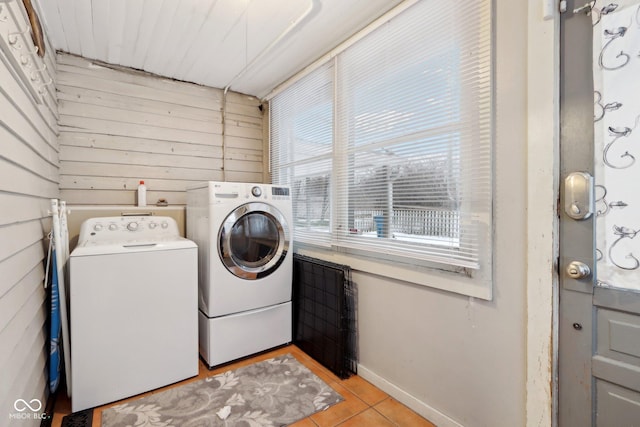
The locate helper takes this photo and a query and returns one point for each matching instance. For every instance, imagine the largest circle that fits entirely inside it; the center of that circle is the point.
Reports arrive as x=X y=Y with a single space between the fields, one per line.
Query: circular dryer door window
x=253 y=240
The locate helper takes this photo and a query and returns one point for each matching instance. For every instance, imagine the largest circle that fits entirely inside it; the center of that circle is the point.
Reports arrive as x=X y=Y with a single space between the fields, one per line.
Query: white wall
x=28 y=179
x=118 y=126
x=456 y=359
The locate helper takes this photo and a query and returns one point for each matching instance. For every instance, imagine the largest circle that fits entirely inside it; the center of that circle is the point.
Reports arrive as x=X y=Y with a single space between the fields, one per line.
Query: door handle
x=578 y=270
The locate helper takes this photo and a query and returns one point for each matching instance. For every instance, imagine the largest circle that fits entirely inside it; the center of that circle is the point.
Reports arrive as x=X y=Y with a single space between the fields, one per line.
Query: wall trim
x=543 y=134
x=428 y=412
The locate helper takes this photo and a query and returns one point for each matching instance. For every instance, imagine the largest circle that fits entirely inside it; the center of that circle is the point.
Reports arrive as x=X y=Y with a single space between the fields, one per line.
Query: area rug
x=274 y=392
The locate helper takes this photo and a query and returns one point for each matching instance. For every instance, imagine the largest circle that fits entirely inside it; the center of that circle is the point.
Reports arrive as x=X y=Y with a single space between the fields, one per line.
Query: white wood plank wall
x=29 y=177
x=120 y=126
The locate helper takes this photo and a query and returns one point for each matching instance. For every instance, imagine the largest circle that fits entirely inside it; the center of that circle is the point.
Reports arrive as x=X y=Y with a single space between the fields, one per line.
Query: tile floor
x=363 y=405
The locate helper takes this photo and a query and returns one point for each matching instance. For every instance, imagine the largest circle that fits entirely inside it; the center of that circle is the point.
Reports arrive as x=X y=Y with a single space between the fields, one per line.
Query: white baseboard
x=428 y=412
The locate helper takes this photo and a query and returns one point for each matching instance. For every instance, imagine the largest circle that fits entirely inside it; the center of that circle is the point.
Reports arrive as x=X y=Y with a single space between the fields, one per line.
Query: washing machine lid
x=117 y=247
x=253 y=240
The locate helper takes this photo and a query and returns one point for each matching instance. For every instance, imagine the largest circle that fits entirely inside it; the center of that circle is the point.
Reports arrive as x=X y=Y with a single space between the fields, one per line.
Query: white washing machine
x=243 y=234
x=134 y=298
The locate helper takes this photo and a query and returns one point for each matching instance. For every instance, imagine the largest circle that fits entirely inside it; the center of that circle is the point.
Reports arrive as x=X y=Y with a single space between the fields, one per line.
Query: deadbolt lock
x=578 y=270
x=578 y=195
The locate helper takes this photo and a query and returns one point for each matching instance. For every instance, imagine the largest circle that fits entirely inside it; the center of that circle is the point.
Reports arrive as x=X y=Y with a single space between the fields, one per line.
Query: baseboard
x=428 y=412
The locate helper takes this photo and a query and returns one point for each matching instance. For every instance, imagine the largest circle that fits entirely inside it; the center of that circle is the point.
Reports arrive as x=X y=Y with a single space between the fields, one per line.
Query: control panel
x=128 y=228
x=226 y=191
x=280 y=193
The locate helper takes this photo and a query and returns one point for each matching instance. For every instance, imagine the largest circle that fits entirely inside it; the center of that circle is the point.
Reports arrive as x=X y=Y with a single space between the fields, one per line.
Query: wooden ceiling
x=249 y=45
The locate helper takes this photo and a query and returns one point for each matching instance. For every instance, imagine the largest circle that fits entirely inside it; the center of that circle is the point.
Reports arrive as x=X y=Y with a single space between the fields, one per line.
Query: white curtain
x=616 y=69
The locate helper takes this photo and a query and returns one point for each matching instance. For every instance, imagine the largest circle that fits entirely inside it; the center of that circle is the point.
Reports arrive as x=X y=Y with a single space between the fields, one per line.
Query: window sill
x=477 y=284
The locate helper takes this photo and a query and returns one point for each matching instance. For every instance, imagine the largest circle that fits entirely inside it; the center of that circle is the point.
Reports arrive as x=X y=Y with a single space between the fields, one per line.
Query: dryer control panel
x=280 y=193
x=231 y=192
x=128 y=228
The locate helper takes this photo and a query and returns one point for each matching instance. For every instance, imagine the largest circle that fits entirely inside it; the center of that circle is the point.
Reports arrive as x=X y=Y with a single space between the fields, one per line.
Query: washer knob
x=256 y=191
x=152 y=225
x=97 y=227
x=165 y=224
x=132 y=226
x=113 y=227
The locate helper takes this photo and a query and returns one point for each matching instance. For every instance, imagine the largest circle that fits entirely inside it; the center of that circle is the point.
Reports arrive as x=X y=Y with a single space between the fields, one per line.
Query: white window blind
x=302 y=152
x=409 y=172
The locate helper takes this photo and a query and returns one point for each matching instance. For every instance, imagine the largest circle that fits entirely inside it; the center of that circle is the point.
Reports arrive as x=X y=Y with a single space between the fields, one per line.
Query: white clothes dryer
x=243 y=234
x=133 y=298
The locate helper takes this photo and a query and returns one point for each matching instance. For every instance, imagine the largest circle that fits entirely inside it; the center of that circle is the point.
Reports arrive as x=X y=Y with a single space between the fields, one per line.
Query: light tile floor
x=363 y=405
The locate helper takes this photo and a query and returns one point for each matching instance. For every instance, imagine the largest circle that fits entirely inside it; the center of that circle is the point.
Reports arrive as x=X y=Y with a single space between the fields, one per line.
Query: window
x=302 y=152
x=387 y=145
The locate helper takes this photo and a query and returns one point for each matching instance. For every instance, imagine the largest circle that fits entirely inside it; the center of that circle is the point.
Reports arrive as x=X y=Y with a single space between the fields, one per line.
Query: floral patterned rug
x=274 y=392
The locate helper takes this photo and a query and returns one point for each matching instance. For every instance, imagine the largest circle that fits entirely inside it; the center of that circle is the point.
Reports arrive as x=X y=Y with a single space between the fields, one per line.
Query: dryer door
x=253 y=240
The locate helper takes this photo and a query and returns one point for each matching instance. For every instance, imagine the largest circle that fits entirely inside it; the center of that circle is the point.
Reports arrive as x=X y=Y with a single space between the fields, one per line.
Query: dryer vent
x=324 y=313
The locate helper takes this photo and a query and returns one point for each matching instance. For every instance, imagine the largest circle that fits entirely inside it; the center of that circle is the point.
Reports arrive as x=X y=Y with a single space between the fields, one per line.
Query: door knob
x=578 y=270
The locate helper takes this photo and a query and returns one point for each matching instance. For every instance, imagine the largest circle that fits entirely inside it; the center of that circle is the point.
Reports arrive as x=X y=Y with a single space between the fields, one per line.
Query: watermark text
x=27 y=410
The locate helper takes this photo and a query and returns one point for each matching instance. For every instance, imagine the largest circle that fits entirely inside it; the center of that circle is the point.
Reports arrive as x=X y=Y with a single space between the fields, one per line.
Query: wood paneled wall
x=119 y=126
x=29 y=178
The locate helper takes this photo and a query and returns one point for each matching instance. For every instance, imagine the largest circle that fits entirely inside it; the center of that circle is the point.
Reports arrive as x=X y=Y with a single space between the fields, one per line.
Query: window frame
x=443 y=275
